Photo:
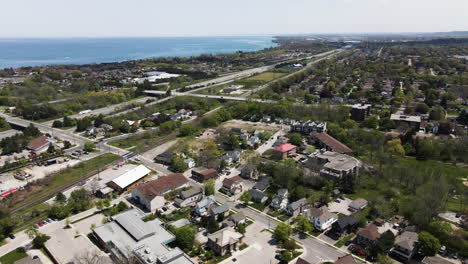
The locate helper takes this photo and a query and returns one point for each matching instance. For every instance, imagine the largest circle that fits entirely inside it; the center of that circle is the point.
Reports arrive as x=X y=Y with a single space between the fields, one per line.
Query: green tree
x=178 y=164
x=428 y=244
x=39 y=241
x=212 y=225
x=394 y=147
x=66 y=144
x=245 y=197
x=440 y=229
x=303 y=224
x=89 y=146
x=60 y=197
x=185 y=237
x=187 y=130
x=282 y=232
x=241 y=228
x=209 y=186
x=371 y=122
x=295 y=139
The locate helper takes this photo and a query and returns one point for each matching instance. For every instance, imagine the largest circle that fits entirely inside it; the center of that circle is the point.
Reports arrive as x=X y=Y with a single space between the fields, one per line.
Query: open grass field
x=13 y=256
x=266 y=76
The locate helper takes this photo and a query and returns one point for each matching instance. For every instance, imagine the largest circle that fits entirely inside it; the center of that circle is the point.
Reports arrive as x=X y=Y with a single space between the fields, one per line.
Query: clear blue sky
x=107 y=18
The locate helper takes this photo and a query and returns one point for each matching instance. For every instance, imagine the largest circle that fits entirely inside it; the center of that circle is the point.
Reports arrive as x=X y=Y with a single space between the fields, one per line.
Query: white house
x=203 y=206
x=321 y=217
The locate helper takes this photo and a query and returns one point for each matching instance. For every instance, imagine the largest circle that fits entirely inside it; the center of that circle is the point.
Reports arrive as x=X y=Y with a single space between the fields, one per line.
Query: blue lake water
x=34 y=52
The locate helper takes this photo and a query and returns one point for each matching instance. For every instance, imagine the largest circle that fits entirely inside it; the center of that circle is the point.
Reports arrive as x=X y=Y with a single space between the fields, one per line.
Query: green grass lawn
x=437 y=166
x=258 y=206
x=266 y=76
x=137 y=141
x=344 y=240
x=13 y=256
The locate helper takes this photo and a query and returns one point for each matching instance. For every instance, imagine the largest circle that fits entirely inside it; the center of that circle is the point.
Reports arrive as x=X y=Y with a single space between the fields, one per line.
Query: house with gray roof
x=258 y=196
x=405 y=245
x=203 y=206
x=296 y=208
x=220 y=210
x=189 y=197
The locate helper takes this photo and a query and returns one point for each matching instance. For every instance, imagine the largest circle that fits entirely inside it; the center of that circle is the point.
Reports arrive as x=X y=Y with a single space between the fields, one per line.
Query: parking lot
x=341 y=206
x=261 y=250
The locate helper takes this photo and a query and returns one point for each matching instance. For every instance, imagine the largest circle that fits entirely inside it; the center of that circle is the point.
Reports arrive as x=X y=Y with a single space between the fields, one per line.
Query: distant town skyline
x=152 y=18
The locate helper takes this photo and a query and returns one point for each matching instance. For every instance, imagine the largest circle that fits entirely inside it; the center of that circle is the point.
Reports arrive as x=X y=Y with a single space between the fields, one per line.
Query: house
x=231 y=157
x=308 y=127
x=203 y=174
x=367 y=236
x=321 y=217
x=164 y=158
x=296 y=208
x=258 y=196
x=238 y=218
x=324 y=140
x=129 y=179
x=405 y=245
x=253 y=140
x=203 y=206
x=262 y=184
x=359 y=112
x=333 y=165
x=132 y=123
x=266 y=119
x=345 y=225
x=435 y=260
x=281 y=200
x=357 y=205
x=151 y=194
x=348 y=259
x=233 y=185
x=128 y=238
x=190 y=163
x=285 y=150
x=40 y=144
x=225 y=241
x=412 y=121
x=189 y=197
x=221 y=210
x=249 y=172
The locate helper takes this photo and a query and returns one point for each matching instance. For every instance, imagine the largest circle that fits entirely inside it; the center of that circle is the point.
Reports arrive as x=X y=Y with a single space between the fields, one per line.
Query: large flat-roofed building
x=129 y=179
x=128 y=237
x=412 y=121
x=359 y=112
x=151 y=194
x=333 y=165
x=323 y=140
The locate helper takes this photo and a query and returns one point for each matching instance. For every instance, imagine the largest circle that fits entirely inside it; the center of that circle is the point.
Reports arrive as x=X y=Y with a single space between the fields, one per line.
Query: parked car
x=40 y=224
x=11 y=236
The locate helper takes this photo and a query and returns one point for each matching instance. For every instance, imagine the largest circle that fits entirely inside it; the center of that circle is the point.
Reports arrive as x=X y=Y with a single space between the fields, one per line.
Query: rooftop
x=225 y=236
x=285 y=147
x=331 y=142
x=157 y=187
x=405 y=118
x=338 y=161
x=131 y=176
x=370 y=232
